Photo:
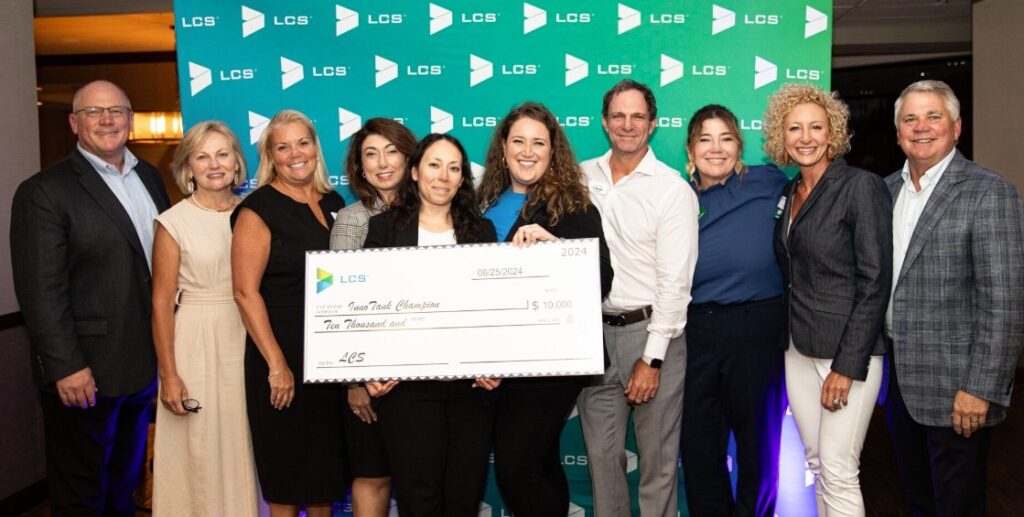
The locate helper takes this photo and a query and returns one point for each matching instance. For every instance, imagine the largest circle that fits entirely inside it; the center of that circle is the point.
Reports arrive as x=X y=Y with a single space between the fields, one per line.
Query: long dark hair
x=466 y=218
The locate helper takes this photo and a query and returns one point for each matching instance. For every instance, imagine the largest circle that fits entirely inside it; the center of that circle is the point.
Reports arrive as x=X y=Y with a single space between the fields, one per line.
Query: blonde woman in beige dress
x=203 y=462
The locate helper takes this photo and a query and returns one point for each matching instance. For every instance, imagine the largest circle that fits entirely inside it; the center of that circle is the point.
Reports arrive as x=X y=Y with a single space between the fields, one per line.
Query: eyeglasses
x=191 y=405
x=95 y=112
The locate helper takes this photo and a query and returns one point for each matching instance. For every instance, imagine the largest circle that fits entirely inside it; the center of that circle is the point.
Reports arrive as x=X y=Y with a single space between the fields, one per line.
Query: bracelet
x=272 y=374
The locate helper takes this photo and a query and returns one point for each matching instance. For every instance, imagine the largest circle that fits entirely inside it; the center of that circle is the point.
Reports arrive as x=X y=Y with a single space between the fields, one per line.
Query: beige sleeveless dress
x=203 y=462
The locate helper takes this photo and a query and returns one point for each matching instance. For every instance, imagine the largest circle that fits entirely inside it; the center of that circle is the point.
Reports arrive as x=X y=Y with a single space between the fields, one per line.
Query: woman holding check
x=437 y=434
x=533 y=192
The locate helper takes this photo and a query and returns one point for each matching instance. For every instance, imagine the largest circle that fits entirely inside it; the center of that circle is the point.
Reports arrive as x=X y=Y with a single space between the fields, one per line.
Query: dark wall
x=871 y=92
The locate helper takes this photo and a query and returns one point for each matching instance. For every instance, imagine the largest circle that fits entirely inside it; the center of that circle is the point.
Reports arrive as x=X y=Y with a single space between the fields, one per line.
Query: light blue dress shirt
x=127 y=186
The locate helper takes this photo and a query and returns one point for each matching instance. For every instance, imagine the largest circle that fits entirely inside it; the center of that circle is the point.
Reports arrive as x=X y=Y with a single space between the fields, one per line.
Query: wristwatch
x=652 y=362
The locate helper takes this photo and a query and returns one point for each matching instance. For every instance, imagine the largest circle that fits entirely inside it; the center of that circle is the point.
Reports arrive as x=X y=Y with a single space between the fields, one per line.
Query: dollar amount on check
x=451 y=312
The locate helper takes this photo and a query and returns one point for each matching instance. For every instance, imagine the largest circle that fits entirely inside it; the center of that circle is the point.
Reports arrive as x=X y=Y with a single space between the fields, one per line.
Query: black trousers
x=734 y=381
x=943 y=473
x=437 y=436
x=528 y=426
x=94 y=457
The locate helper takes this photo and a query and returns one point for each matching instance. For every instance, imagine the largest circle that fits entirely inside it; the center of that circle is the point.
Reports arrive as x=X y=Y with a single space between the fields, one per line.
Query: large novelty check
x=450 y=312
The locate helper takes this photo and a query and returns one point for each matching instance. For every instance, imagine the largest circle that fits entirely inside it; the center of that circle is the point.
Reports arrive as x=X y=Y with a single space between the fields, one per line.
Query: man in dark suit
x=81 y=250
x=956 y=317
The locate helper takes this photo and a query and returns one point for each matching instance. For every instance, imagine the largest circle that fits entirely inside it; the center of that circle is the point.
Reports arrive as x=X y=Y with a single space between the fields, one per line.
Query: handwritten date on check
x=452 y=312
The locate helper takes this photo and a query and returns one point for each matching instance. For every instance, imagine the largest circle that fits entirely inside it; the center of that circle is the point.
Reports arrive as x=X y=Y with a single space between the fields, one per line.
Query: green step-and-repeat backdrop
x=458 y=66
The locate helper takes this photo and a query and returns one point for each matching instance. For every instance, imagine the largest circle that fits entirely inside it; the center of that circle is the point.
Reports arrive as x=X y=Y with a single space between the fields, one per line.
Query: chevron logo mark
x=576 y=510
x=440 y=120
x=765 y=72
x=484 y=511
x=200 y=76
x=324 y=279
x=632 y=461
x=347 y=19
x=722 y=19
x=671 y=70
x=387 y=71
x=252 y=21
x=576 y=69
x=440 y=19
x=291 y=73
x=257 y=123
x=348 y=124
x=629 y=18
x=817 y=22
x=533 y=18
x=480 y=70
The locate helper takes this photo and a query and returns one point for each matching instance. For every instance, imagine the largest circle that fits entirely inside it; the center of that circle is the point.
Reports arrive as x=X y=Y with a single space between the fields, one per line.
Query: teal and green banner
x=458 y=66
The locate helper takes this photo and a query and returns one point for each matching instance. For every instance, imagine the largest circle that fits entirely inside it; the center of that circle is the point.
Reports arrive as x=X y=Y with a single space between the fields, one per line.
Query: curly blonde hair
x=560 y=186
x=782 y=102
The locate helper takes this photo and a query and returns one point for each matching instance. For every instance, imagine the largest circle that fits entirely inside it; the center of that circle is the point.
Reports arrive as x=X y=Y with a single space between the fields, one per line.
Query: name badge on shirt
x=781 y=207
x=599 y=188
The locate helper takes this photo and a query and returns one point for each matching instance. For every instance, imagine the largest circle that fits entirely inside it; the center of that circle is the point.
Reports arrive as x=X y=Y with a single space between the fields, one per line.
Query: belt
x=627 y=318
x=204 y=297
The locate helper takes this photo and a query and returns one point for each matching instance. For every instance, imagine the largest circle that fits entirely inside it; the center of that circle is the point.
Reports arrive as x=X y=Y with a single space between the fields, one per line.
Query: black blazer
x=81 y=277
x=570 y=226
x=384 y=233
x=837 y=265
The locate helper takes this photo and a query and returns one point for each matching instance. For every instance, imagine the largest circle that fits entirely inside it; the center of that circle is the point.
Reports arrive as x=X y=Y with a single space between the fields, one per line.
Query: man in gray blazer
x=956 y=318
x=81 y=249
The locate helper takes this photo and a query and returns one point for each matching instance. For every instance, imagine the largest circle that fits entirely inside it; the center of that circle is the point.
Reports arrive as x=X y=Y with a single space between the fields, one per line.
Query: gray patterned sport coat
x=958 y=303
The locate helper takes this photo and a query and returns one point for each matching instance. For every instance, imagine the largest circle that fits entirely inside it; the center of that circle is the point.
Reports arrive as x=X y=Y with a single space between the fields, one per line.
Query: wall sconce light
x=156 y=127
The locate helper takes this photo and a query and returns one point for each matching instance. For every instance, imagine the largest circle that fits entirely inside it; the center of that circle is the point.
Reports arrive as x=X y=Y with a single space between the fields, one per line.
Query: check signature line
x=376 y=365
x=527 y=360
x=438 y=328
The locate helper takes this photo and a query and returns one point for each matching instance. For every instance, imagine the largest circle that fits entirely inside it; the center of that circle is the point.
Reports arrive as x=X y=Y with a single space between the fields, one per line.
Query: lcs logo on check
x=324 y=279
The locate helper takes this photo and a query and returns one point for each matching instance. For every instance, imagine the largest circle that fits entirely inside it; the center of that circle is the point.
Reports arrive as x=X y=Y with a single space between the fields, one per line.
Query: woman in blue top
x=734 y=370
x=532 y=191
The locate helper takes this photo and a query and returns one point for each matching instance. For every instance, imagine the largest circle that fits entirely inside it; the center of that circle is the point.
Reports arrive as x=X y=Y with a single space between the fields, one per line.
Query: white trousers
x=832 y=441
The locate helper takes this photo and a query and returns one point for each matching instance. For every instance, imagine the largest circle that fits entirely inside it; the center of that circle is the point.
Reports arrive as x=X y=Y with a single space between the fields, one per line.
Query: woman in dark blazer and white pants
x=437 y=434
x=834 y=245
x=533 y=192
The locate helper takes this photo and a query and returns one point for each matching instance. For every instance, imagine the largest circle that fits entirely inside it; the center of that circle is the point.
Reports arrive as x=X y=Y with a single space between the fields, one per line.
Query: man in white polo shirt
x=649 y=215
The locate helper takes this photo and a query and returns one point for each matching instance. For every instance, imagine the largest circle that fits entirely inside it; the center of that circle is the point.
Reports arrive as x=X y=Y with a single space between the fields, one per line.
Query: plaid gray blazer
x=958 y=303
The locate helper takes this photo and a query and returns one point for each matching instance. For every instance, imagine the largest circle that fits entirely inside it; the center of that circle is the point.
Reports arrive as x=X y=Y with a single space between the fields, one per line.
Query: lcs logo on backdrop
x=722 y=19
x=817 y=22
x=440 y=19
x=257 y=123
x=291 y=73
x=252 y=21
x=200 y=77
x=480 y=70
x=533 y=18
x=671 y=70
x=387 y=71
x=576 y=69
x=345 y=20
x=629 y=18
x=440 y=120
x=765 y=72
x=192 y=22
x=348 y=123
